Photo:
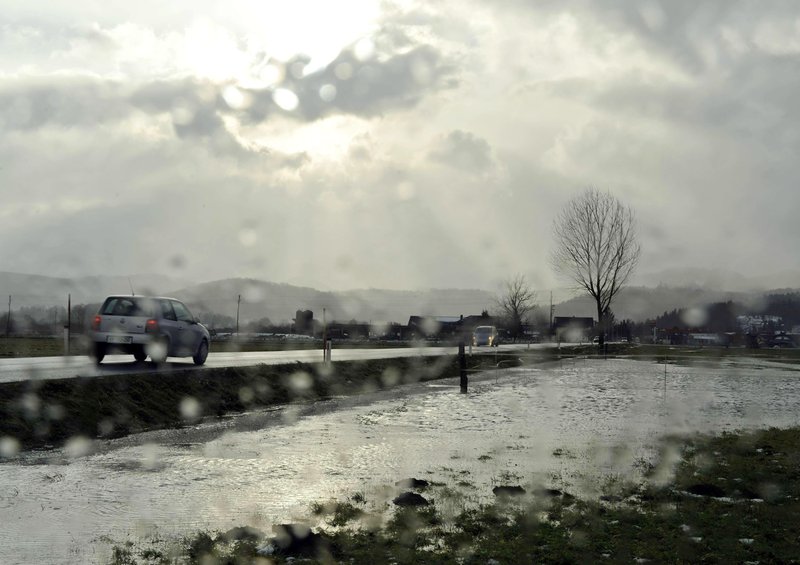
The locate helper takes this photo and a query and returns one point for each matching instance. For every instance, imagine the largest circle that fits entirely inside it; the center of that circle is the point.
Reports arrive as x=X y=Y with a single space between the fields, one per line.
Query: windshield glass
x=128 y=306
x=451 y=281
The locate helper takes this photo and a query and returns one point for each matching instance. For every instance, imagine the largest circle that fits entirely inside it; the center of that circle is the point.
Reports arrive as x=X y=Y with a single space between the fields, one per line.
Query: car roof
x=141 y=296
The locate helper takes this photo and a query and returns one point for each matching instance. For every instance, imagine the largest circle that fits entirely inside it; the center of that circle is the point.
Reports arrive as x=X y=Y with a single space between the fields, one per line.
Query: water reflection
x=574 y=423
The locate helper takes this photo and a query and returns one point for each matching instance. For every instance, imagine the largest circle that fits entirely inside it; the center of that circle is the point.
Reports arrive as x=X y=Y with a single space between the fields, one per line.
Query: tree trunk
x=600 y=326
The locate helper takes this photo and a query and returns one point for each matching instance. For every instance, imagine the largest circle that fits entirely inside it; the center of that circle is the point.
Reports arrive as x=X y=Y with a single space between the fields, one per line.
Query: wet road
x=25 y=368
x=566 y=425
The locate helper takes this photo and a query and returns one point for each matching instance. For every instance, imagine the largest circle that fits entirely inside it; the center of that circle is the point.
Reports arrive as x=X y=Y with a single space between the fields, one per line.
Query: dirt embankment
x=49 y=413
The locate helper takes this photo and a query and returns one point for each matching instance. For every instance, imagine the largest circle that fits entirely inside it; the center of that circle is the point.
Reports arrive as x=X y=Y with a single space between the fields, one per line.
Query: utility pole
x=552 y=311
x=8 y=318
x=238 y=302
x=324 y=336
x=69 y=322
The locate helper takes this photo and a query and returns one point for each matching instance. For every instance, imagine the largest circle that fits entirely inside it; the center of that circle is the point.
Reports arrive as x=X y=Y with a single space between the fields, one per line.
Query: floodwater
x=562 y=425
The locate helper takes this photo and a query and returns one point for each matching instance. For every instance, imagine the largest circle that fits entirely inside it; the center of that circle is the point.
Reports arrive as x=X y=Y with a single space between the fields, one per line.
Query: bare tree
x=597 y=247
x=515 y=301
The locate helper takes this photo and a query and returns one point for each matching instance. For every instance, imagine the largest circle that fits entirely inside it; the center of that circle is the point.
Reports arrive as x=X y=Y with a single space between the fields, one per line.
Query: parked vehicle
x=485 y=335
x=144 y=326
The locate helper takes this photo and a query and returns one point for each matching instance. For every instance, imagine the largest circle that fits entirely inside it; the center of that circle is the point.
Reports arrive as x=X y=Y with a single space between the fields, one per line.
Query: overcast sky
x=392 y=144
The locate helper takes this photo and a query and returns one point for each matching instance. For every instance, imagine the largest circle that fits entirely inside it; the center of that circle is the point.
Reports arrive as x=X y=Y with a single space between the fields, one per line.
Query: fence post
x=462 y=366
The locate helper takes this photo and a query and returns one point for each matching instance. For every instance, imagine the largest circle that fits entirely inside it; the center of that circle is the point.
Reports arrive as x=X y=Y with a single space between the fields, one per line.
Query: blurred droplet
x=694 y=317
x=406 y=191
x=298 y=69
x=285 y=99
x=344 y=262
x=343 y=71
x=190 y=408
x=236 y=98
x=55 y=412
x=177 y=261
x=78 y=446
x=364 y=49
x=253 y=293
x=149 y=456
x=327 y=92
x=105 y=427
x=9 y=446
x=652 y=14
x=31 y=404
x=290 y=415
x=300 y=382
x=421 y=71
x=182 y=115
x=391 y=376
x=246 y=395
x=248 y=237
x=430 y=326
x=264 y=77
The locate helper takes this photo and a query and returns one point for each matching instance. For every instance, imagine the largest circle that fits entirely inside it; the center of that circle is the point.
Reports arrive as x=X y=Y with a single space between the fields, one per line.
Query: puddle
x=530 y=423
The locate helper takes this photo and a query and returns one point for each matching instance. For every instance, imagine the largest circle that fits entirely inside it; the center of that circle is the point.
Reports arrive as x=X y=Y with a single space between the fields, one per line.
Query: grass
x=754 y=518
x=51 y=412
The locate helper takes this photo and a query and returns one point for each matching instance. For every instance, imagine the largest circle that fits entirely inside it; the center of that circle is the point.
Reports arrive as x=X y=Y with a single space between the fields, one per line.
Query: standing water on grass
x=564 y=425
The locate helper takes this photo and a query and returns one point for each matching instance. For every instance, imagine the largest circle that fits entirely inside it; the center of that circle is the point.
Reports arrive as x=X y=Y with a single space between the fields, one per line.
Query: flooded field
x=561 y=425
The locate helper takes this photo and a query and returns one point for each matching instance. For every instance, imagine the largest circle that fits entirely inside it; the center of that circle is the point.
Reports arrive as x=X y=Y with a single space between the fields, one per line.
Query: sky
x=392 y=144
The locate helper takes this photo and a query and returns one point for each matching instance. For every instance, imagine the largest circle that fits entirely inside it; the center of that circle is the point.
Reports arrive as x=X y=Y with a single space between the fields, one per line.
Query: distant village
x=723 y=324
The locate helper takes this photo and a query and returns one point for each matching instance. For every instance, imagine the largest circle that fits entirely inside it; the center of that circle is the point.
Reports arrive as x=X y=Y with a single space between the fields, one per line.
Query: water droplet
x=149 y=455
x=9 y=446
x=298 y=69
x=31 y=404
x=177 y=261
x=236 y=98
x=55 y=412
x=246 y=395
x=105 y=427
x=405 y=191
x=421 y=71
x=248 y=237
x=694 y=317
x=285 y=99
x=343 y=71
x=327 y=92
x=78 y=446
x=364 y=49
x=391 y=376
x=190 y=408
x=300 y=382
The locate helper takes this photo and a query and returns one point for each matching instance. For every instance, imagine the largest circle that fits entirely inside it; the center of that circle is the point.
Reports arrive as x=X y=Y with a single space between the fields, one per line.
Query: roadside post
x=68 y=324
x=462 y=366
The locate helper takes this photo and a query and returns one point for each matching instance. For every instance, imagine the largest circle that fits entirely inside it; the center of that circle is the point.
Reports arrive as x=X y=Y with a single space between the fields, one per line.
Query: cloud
x=354 y=86
x=462 y=150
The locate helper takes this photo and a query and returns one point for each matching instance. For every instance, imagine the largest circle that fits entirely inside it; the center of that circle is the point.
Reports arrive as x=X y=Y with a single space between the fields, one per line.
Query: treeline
x=720 y=317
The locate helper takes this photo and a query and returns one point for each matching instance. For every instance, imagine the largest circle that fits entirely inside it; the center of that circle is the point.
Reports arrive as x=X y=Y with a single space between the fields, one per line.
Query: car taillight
x=151 y=326
x=96 y=323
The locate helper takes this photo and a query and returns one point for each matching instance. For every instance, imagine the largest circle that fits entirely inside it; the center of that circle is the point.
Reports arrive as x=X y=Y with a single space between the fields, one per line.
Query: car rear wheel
x=202 y=353
x=98 y=352
x=158 y=350
x=140 y=354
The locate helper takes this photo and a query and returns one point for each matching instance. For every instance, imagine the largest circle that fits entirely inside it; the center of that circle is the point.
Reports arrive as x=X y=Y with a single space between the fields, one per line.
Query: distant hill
x=719 y=279
x=41 y=290
x=279 y=302
x=641 y=303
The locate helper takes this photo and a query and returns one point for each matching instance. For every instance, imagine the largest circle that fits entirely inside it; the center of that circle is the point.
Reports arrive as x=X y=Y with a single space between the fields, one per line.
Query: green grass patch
x=753 y=516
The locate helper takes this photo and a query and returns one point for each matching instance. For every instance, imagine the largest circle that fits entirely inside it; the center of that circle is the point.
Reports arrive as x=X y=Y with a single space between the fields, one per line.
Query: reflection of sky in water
x=602 y=414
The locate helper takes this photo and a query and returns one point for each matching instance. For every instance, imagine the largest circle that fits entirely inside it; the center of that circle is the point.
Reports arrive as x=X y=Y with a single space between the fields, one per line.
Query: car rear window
x=127 y=306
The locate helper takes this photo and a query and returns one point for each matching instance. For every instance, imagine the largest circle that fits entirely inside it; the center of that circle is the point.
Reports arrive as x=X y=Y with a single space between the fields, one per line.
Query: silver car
x=144 y=326
x=485 y=335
